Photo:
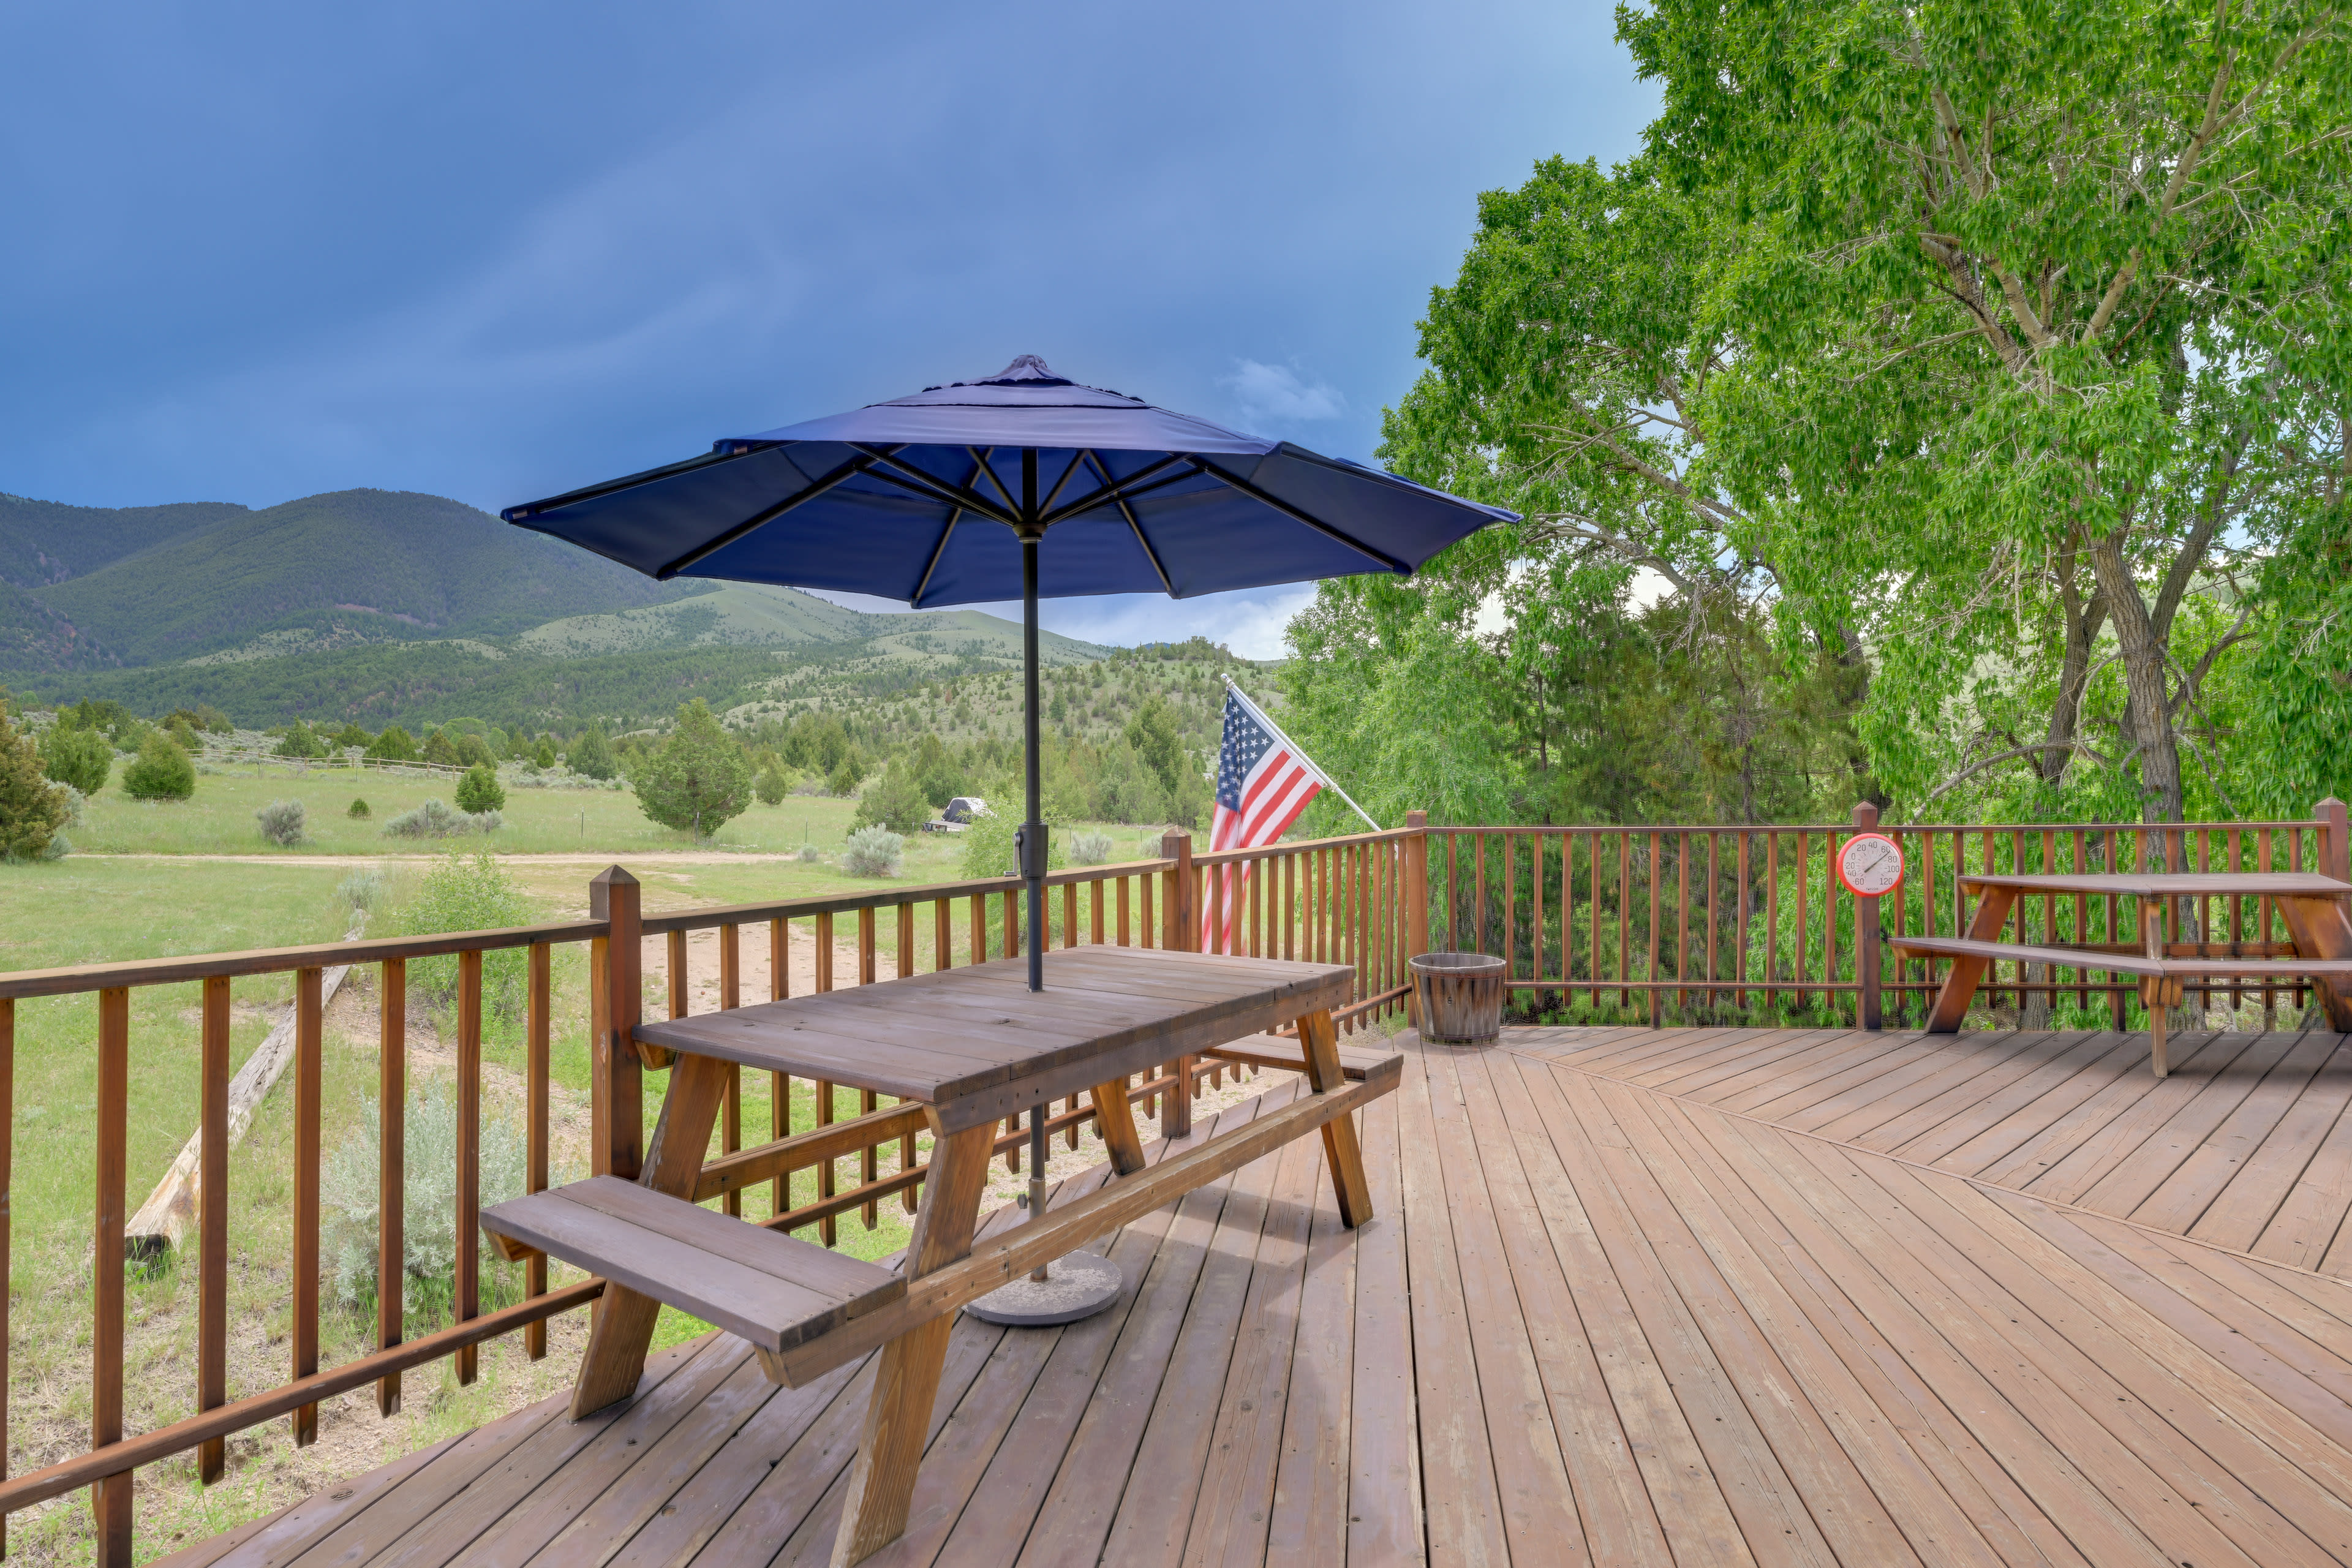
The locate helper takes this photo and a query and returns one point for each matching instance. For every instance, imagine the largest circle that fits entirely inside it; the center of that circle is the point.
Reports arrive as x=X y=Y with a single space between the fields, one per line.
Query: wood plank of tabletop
x=2163 y=884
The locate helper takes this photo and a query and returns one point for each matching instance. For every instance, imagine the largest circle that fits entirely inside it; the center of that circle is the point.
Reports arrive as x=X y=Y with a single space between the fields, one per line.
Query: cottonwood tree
x=2063 y=288
x=699 y=779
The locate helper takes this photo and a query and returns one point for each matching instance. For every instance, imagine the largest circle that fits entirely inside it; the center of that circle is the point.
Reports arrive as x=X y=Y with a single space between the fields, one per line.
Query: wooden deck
x=1632 y=1297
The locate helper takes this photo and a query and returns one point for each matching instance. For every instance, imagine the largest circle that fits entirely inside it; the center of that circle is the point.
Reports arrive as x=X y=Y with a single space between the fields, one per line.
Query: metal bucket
x=1458 y=997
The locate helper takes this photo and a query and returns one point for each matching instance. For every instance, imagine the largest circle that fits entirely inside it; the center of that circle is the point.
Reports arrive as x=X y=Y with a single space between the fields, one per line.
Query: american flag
x=1263 y=784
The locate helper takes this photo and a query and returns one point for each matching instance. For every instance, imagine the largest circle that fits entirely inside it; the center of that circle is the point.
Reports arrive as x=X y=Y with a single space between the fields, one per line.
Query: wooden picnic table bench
x=2313 y=905
x=968 y=1047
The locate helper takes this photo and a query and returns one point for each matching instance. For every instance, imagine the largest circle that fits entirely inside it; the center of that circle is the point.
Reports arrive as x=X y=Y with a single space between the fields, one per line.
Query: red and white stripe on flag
x=1261 y=789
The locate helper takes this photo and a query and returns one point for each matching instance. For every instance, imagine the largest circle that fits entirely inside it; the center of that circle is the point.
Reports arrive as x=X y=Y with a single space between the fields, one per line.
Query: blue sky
x=497 y=251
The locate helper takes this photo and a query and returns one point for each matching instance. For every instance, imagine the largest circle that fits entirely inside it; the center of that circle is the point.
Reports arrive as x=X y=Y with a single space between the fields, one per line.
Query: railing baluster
x=1095 y=910
x=539 y=990
x=212 y=1220
x=825 y=1168
x=730 y=1109
x=780 y=1086
x=466 y=1286
x=392 y=1122
x=109 y=1498
x=866 y=972
x=1126 y=928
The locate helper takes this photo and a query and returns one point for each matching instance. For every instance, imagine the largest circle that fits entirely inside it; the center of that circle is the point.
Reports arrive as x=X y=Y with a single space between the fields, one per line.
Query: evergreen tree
x=473 y=751
x=393 y=746
x=593 y=756
x=699 y=778
x=1158 y=742
x=351 y=735
x=78 y=757
x=895 y=801
x=439 y=748
x=480 y=790
x=299 y=741
x=32 y=809
x=545 y=756
x=772 y=785
x=161 y=772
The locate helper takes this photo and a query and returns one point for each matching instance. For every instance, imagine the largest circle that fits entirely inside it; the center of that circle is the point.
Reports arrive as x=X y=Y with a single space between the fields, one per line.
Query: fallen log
x=164 y=1220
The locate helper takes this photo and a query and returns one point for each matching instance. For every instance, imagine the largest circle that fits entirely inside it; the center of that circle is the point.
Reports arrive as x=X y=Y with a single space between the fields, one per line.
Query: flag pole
x=1300 y=752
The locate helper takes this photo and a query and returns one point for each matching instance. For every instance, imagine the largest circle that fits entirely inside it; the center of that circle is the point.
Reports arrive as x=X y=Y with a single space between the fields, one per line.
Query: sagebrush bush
x=874 y=852
x=362 y=890
x=807 y=854
x=434 y=819
x=1090 y=849
x=283 y=822
x=348 y=1195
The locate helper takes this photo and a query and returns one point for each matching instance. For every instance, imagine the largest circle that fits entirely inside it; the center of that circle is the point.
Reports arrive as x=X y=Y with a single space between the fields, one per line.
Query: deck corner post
x=2335 y=852
x=616 y=1087
x=1176 y=901
x=1867 y=935
x=1416 y=906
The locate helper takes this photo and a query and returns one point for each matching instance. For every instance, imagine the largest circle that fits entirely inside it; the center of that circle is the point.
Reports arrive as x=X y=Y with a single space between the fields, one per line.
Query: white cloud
x=1249 y=621
x=1275 y=392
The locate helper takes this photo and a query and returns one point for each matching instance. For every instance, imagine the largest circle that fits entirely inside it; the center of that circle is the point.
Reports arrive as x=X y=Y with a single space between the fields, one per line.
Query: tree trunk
x=2083 y=622
x=2147 y=710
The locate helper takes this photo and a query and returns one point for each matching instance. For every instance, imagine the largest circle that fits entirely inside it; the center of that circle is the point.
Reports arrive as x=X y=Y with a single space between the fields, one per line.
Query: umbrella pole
x=1033 y=828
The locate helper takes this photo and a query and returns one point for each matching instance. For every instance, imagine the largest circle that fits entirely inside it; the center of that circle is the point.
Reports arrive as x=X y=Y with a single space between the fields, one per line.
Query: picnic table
x=971 y=1047
x=2314 y=908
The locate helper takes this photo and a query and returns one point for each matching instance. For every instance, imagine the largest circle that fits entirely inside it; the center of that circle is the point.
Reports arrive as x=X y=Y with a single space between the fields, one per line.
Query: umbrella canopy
x=1022 y=484
x=925 y=500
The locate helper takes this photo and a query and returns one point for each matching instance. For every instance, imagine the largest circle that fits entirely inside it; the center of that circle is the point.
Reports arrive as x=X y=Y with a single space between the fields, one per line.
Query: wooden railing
x=876 y=936
x=1655 y=922
x=1683 y=923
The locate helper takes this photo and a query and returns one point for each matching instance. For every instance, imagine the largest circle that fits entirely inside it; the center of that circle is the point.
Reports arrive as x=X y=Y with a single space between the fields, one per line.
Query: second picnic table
x=973 y=1047
x=2314 y=908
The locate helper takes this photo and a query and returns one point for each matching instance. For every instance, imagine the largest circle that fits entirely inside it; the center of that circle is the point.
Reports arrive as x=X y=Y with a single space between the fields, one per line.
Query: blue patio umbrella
x=1021 y=483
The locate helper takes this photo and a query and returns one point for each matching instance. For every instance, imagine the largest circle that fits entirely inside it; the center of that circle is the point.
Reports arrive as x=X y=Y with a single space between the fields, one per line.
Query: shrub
x=485 y=821
x=362 y=890
x=545 y=756
x=161 y=772
x=439 y=748
x=468 y=892
x=77 y=806
x=473 y=751
x=282 y=822
x=301 y=740
x=434 y=819
x=359 y=811
x=32 y=809
x=82 y=758
x=183 y=735
x=393 y=746
x=479 y=791
x=1090 y=849
x=807 y=855
x=348 y=1192
x=771 y=785
x=873 y=851
x=894 y=801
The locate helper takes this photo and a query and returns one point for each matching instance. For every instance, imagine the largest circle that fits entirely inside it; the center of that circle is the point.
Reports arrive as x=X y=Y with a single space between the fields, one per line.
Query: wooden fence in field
x=1679 y=917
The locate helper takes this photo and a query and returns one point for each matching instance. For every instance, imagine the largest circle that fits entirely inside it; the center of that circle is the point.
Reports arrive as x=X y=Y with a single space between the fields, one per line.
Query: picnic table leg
x=1960 y=985
x=1320 y=1038
x=1115 y=1118
x=2321 y=929
x=906 y=1374
x=2156 y=990
x=622 y=1328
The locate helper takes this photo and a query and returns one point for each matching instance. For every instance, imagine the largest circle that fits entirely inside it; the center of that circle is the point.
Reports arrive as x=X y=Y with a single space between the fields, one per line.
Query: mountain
x=750 y=615
x=352 y=565
x=45 y=542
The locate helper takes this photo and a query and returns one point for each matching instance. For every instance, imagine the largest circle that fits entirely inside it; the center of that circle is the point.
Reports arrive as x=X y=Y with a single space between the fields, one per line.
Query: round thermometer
x=1870 y=865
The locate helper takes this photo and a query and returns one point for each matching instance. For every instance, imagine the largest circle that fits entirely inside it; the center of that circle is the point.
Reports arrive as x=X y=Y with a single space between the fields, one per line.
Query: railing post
x=1866 y=933
x=1183 y=936
x=1416 y=906
x=616 y=1085
x=2333 y=847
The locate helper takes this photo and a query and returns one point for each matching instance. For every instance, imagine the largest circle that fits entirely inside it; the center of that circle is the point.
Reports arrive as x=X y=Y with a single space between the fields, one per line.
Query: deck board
x=1639 y=1297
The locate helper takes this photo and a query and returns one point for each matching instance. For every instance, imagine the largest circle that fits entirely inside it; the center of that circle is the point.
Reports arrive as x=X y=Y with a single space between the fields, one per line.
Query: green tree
x=1158 y=742
x=544 y=757
x=473 y=751
x=351 y=735
x=479 y=790
x=393 y=746
x=162 y=770
x=2061 y=295
x=184 y=734
x=771 y=785
x=699 y=779
x=894 y=801
x=591 y=754
x=299 y=741
x=439 y=747
x=82 y=758
x=32 y=809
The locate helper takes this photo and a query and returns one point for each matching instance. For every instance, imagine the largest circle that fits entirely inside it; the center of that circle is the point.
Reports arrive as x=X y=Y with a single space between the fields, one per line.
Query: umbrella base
x=1076 y=1287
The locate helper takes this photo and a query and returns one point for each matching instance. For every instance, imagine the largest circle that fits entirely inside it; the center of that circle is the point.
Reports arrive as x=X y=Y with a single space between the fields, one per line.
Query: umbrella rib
x=1003 y=494
x=630 y=482
x=1113 y=489
x=929 y=486
x=915 y=599
x=703 y=552
x=1292 y=512
x=1047 y=504
x=1134 y=522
